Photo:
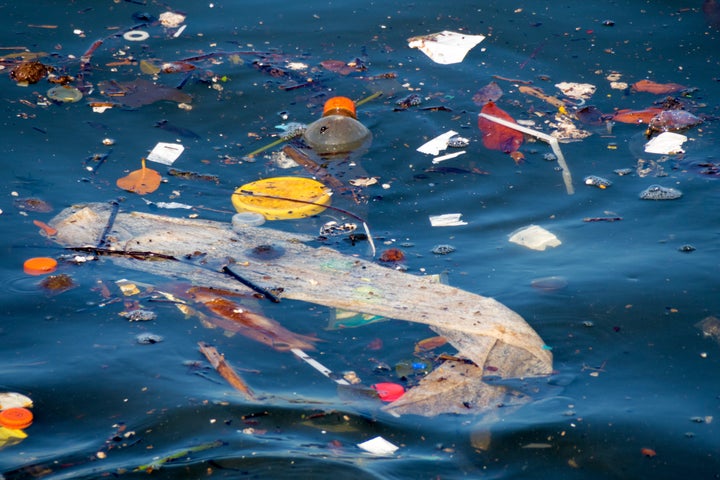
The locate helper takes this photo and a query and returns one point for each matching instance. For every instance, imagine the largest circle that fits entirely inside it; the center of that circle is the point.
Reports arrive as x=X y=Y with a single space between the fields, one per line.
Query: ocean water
x=634 y=393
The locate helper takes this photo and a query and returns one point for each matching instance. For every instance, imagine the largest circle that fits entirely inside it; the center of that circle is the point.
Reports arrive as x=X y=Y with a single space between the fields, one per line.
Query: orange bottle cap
x=39 y=265
x=16 y=418
x=340 y=105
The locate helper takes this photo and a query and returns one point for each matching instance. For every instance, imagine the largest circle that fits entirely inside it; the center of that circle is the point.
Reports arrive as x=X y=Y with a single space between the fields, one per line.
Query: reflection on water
x=636 y=372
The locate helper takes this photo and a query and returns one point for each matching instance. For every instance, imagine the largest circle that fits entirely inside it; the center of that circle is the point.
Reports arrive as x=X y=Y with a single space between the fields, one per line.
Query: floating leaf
x=670 y=120
x=337 y=66
x=496 y=136
x=657 y=88
x=141 y=92
x=636 y=116
x=145 y=180
x=489 y=93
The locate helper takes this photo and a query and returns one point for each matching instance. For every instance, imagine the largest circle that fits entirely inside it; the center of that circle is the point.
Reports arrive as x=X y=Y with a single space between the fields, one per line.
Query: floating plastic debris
x=443 y=249
x=456 y=141
x=669 y=120
x=171 y=19
x=442 y=158
x=64 y=93
x=623 y=171
x=139 y=315
x=333 y=228
x=595 y=181
x=578 y=91
x=165 y=153
x=378 y=446
x=667 y=143
x=148 y=338
x=136 y=36
x=534 y=237
x=446 y=220
x=437 y=144
x=445 y=47
x=657 y=192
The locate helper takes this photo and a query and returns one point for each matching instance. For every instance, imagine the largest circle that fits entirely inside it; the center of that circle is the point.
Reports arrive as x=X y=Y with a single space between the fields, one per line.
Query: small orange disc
x=39 y=265
x=16 y=418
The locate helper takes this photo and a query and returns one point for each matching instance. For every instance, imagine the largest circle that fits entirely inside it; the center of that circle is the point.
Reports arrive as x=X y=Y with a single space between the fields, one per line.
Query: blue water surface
x=634 y=394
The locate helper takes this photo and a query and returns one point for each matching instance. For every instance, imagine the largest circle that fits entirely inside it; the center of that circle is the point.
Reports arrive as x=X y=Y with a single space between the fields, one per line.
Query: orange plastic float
x=39 y=265
x=17 y=418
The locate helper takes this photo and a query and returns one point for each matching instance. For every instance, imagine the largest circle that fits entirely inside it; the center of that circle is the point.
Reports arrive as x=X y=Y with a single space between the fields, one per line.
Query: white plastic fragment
x=171 y=19
x=14 y=400
x=534 y=237
x=445 y=47
x=165 y=153
x=442 y=158
x=179 y=31
x=446 y=220
x=437 y=144
x=578 y=91
x=378 y=446
x=667 y=143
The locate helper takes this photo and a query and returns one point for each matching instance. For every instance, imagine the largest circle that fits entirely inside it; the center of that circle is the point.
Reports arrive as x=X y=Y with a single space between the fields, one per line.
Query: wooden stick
x=313 y=168
x=226 y=371
x=567 y=177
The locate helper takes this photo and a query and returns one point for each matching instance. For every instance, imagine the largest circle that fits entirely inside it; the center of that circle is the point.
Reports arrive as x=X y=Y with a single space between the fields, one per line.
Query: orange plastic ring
x=16 y=418
x=39 y=265
x=340 y=105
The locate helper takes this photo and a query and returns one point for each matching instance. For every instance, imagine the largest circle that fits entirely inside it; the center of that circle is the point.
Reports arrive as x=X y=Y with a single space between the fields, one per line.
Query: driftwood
x=483 y=330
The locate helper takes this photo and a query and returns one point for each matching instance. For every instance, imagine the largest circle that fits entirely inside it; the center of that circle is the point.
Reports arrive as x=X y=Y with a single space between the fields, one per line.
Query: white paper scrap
x=437 y=144
x=446 y=220
x=165 y=153
x=445 y=47
x=378 y=446
x=667 y=143
x=534 y=237
x=437 y=160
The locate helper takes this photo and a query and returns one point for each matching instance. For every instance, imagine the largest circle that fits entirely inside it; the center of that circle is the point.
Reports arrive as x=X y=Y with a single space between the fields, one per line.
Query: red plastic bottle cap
x=39 y=265
x=340 y=106
x=16 y=418
x=389 y=392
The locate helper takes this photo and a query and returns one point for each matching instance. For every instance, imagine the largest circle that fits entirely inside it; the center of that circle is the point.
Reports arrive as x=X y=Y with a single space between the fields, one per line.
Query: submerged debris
x=443 y=249
x=139 y=315
x=596 y=181
x=657 y=192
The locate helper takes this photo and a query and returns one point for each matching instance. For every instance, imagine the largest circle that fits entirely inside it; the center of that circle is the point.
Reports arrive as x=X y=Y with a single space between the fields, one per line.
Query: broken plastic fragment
x=578 y=91
x=171 y=19
x=445 y=47
x=378 y=446
x=442 y=158
x=437 y=144
x=446 y=220
x=14 y=400
x=165 y=153
x=534 y=237
x=667 y=143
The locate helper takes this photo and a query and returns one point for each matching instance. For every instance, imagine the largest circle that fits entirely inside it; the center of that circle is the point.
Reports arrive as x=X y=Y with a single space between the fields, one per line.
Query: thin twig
x=567 y=177
x=262 y=291
x=225 y=370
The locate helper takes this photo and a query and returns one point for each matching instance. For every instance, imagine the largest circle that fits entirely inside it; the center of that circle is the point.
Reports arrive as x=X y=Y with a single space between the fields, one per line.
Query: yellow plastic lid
x=341 y=106
x=297 y=188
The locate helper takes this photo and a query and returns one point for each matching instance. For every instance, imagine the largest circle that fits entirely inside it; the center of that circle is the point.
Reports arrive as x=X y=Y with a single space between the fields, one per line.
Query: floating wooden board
x=480 y=328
